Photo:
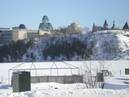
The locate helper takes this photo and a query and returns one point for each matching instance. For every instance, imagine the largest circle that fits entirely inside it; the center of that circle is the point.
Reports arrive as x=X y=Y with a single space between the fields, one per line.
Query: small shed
x=21 y=81
x=100 y=77
x=126 y=71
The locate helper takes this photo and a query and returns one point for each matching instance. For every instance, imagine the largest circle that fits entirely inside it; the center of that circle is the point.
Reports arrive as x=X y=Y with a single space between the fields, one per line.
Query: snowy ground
x=115 y=86
x=121 y=82
x=63 y=90
x=117 y=68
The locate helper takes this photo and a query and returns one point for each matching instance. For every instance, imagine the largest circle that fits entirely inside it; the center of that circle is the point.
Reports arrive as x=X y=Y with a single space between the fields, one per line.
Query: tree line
x=14 y=51
x=67 y=49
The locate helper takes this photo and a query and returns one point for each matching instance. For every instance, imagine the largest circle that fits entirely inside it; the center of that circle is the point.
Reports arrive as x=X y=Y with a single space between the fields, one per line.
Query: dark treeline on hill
x=14 y=51
x=67 y=49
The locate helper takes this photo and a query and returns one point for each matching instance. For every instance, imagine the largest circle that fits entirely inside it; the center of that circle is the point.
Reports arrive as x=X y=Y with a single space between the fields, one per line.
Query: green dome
x=45 y=25
x=22 y=26
x=45 y=19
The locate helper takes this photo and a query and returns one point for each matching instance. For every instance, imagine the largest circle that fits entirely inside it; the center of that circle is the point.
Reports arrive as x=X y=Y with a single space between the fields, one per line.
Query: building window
x=127 y=71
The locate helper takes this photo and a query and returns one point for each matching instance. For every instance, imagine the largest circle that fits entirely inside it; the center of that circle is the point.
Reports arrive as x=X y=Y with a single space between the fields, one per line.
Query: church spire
x=126 y=26
x=45 y=19
x=105 y=25
x=94 y=28
x=113 y=26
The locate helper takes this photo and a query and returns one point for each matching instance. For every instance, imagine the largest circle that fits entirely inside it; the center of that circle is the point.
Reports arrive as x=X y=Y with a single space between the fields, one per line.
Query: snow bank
x=61 y=90
x=71 y=90
x=120 y=82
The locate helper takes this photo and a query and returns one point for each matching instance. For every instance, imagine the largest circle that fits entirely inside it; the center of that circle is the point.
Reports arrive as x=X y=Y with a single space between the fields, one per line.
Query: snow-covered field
x=117 y=68
x=64 y=90
x=115 y=86
x=119 y=82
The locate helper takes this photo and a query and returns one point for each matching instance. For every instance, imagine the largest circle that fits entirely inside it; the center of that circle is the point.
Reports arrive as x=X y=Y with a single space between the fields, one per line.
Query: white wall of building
x=19 y=34
x=42 y=32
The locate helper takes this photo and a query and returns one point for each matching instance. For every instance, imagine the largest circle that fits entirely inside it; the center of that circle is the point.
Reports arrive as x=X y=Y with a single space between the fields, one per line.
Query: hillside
x=101 y=45
x=62 y=90
x=65 y=47
x=110 y=45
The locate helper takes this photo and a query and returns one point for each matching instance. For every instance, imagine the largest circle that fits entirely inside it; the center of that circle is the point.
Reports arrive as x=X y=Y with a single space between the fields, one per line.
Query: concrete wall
x=58 y=79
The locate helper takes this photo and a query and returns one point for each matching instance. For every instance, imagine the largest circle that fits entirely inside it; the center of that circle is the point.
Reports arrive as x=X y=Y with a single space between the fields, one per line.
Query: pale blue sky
x=63 y=12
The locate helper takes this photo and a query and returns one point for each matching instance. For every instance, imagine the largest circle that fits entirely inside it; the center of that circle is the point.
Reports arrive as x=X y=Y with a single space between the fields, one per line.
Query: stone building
x=8 y=35
x=19 y=33
x=22 y=33
x=74 y=28
x=31 y=34
x=5 y=35
x=104 y=27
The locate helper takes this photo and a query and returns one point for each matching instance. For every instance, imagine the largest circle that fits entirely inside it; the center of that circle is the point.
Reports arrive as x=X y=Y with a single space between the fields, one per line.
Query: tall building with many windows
x=5 y=35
